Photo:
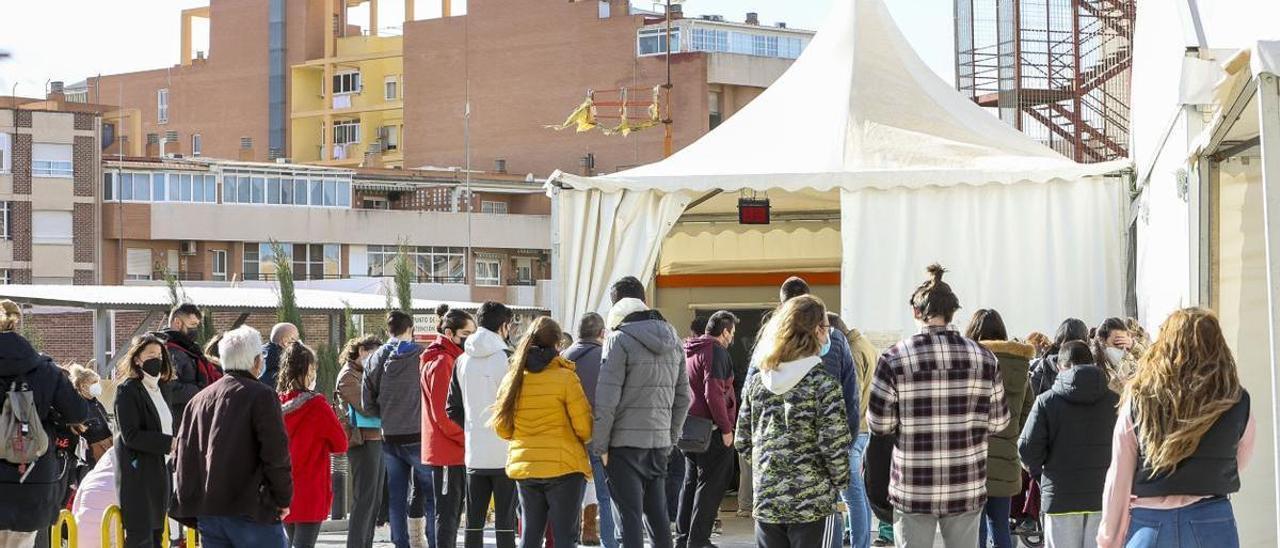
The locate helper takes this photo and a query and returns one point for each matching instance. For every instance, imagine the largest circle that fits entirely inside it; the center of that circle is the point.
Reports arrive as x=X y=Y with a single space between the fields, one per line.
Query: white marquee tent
x=1206 y=128
x=917 y=172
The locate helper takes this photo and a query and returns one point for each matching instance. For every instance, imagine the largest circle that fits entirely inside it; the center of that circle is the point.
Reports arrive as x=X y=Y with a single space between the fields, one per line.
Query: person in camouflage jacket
x=792 y=427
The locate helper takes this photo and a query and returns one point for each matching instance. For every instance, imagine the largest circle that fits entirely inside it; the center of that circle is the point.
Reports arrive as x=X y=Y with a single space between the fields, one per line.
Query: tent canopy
x=859 y=109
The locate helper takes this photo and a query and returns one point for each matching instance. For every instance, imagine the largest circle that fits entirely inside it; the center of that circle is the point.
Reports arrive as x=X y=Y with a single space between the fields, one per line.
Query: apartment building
x=296 y=79
x=49 y=162
x=220 y=221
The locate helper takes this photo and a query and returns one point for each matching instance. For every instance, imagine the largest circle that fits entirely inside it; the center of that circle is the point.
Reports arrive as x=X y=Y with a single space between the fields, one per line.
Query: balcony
x=181 y=275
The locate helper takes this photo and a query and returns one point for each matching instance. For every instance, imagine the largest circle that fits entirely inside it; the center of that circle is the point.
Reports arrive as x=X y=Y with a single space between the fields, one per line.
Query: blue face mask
x=826 y=347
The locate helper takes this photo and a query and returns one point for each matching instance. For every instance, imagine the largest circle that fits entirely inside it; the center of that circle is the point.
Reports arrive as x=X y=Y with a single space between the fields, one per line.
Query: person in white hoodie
x=472 y=392
x=792 y=427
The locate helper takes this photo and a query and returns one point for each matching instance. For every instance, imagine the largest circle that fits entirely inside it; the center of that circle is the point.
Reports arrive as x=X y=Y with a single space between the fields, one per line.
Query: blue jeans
x=401 y=460
x=1208 y=523
x=995 y=523
x=859 y=522
x=608 y=529
x=234 y=532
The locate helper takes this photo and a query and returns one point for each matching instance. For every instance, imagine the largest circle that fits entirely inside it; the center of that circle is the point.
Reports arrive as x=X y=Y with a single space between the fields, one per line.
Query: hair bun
x=442 y=309
x=935 y=272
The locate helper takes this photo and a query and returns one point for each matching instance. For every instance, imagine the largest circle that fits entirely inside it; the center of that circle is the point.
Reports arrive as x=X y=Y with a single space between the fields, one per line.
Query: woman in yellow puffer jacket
x=542 y=410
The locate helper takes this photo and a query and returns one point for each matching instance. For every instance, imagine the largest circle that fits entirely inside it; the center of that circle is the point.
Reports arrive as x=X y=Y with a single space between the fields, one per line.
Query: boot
x=417 y=532
x=590 y=528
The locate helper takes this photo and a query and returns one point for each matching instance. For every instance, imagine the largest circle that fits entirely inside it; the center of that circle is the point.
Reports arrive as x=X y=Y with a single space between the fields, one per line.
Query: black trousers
x=143 y=538
x=450 y=484
x=302 y=535
x=706 y=477
x=637 y=484
x=481 y=485
x=368 y=483
x=557 y=501
x=815 y=534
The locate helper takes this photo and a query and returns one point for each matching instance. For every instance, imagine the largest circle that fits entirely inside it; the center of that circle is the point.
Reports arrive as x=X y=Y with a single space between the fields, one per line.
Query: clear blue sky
x=71 y=39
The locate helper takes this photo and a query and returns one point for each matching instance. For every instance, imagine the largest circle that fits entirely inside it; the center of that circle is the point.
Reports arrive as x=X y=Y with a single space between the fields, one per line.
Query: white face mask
x=311 y=384
x=1115 y=354
x=95 y=389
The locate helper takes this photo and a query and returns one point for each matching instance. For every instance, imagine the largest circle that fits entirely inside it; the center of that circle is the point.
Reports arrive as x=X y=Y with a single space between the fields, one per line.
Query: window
x=390 y=137
x=51 y=227
x=162 y=105
x=158 y=187
x=713 y=107
x=764 y=46
x=346 y=82
x=309 y=261
x=499 y=208
x=4 y=221
x=6 y=152
x=251 y=261
x=138 y=264
x=51 y=160
x=219 y=265
x=197 y=144
x=709 y=40
x=653 y=41
x=346 y=132
x=389 y=85
x=5 y=278
x=444 y=265
x=375 y=202
x=488 y=272
x=108 y=186
x=602 y=9
x=524 y=271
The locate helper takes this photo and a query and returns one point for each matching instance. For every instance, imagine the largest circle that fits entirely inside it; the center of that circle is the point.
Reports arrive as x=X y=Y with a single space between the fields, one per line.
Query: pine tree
x=287 y=312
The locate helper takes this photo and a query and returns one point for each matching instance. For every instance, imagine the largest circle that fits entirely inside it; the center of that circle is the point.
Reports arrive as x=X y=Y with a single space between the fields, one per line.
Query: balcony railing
x=298 y=276
x=181 y=275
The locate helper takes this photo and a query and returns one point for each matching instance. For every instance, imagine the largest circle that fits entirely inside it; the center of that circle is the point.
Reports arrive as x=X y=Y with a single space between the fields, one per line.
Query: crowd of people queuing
x=1105 y=437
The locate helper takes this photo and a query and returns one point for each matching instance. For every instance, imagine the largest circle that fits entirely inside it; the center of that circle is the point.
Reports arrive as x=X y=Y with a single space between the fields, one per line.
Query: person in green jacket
x=1004 y=471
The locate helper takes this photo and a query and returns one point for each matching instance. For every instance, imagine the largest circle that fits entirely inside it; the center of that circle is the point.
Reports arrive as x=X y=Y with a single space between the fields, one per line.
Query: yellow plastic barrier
x=65 y=518
x=112 y=516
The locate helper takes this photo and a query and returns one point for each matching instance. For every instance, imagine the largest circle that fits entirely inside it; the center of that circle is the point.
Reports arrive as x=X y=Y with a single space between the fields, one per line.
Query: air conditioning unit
x=374 y=147
x=188 y=247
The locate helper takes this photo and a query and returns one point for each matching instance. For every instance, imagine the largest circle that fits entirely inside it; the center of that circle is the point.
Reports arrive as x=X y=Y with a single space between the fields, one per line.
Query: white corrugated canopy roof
x=214 y=298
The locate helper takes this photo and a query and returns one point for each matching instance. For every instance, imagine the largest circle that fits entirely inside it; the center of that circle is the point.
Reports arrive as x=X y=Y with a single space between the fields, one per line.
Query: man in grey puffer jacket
x=642 y=398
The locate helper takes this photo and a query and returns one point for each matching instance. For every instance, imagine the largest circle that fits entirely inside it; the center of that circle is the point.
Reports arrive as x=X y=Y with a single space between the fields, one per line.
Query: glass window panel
x=259 y=190
x=300 y=191
x=344 y=194
x=108 y=186
x=210 y=188
x=126 y=186
x=157 y=186
x=330 y=192
x=286 y=191
x=184 y=187
x=229 y=189
x=317 y=192
x=141 y=188
x=273 y=191
x=332 y=260
x=244 y=194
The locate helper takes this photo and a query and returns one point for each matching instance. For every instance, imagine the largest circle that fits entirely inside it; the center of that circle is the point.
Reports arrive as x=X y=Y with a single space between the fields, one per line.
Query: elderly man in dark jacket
x=31 y=493
x=232 y=462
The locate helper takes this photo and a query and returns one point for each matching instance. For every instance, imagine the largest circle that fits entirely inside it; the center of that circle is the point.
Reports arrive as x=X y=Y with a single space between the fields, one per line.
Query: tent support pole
x=1269 y=128
x=703 y=199
x=102 y=327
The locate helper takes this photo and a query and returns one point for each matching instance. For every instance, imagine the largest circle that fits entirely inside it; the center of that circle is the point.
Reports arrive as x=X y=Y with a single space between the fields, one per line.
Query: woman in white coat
x=472 y=392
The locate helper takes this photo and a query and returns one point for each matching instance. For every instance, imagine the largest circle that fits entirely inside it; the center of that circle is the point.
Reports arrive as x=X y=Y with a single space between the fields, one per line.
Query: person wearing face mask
x=97 y=427
x=282 y=335
x=707 y=472
x=1114 y=351
x=442 y=439
x=314 y=434
x=145 y=439
x=364 y=444
x=192 y=370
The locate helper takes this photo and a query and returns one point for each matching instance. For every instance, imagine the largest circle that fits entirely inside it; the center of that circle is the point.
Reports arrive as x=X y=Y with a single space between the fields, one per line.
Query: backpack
x=22 y=436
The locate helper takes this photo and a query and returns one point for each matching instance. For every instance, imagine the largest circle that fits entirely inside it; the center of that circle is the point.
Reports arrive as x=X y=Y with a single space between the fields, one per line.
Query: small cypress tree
x=288 y=311
x=326 y=369
x=404 y=277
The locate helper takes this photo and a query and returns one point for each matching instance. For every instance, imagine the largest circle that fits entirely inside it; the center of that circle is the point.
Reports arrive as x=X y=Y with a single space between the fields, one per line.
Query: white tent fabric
x=859 y=111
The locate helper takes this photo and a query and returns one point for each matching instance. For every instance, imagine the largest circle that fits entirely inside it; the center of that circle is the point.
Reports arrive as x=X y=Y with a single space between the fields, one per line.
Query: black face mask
x=152 y=367
x=462 y=342
x=192 y=333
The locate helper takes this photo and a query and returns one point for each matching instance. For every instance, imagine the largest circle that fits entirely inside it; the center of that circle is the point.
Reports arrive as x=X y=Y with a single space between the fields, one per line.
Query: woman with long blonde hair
x=792 y=427
x=543 y=412
x=1184 y=432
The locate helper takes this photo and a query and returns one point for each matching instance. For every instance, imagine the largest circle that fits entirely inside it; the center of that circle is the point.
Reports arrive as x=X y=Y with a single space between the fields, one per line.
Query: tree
x=404 y=277
x=326 y=369
x=287 y=312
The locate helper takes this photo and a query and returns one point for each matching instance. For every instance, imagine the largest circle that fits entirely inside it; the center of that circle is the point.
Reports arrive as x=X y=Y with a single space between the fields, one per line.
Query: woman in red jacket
x=442 y=439
x=314 y=433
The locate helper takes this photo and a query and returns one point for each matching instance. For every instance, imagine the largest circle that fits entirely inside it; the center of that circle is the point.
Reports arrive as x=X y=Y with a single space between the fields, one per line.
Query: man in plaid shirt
x=941 y=395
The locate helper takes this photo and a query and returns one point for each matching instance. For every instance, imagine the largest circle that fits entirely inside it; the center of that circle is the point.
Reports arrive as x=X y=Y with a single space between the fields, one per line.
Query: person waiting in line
x=543 y=412
x=232 y=471
x=314 y=435
x=96 y=433
x=282 y=335
x=707 y=473
x=1114 y=350
x=192 y=370
x=476 y=379
x=1184 y=432
x=1045 y=368
x=29 y=475
x=391 y=391
x=442 y=439
x=1004 y=471
x=585 y=354
x=793 y=425
x=1067 y=442
x=96 y=493
x=939 y=475
x=865 y=356
x=642 y=398
x=145 y=440
x=364 y=444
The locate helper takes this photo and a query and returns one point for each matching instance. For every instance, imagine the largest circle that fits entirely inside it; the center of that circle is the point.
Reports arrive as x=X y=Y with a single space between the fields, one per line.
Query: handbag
x=695 y=437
